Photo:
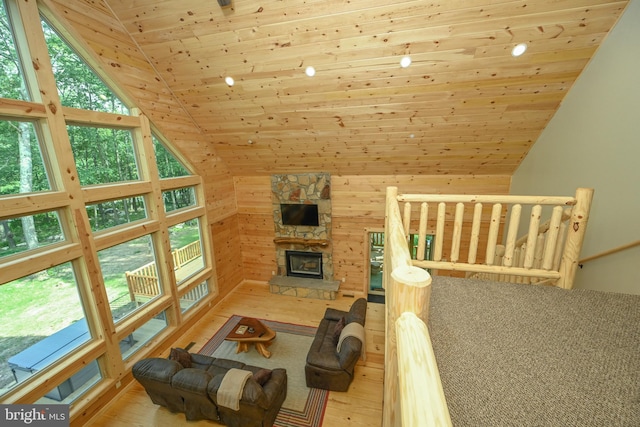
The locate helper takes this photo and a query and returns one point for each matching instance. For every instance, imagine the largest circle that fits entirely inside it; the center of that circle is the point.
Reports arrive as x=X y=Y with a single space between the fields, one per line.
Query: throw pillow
x=337 y=330
x=181 y=356
x=262 y=376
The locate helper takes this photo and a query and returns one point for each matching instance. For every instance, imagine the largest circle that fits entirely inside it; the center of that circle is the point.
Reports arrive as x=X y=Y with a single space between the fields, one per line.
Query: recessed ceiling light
x=405 y=61
x=229 y=81
x=310 y=71
x=519 y=49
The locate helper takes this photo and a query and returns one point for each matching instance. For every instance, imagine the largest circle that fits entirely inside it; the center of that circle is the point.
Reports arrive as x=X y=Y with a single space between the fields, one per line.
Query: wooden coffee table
x=252 y=331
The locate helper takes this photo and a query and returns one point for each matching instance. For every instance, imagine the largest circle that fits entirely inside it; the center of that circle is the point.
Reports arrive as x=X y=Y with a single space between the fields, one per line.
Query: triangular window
x=78 y=85
x=168 y=165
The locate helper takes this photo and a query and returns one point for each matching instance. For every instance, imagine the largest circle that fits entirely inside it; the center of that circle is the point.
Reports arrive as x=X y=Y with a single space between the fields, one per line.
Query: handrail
x=609 y=252
x=410 y=363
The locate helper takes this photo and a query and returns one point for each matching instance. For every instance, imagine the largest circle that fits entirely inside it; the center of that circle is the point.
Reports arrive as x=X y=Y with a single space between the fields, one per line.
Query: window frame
x=69 y=200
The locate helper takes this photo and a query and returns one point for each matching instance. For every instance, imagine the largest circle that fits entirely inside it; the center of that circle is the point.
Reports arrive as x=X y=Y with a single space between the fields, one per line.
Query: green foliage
x=168 y=166
x=11 y=82
x=102 y=155
x=78 y=85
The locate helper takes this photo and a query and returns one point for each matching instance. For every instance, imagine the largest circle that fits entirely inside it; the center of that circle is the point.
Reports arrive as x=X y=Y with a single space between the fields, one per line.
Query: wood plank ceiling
x=464 y=106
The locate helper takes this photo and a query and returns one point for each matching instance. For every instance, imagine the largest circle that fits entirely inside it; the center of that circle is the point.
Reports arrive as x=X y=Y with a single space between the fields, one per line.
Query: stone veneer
x=311 y=188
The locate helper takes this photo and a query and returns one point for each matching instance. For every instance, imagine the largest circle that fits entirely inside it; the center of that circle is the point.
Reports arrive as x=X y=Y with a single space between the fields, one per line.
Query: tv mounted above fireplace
x=299 y=214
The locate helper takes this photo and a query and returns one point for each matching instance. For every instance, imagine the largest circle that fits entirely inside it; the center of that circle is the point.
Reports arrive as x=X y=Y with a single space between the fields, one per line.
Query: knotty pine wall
x=358 y=206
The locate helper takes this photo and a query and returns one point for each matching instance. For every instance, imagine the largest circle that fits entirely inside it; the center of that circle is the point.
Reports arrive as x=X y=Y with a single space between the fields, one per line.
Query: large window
x=12 y=83
x=186 y=249
x=78 y=85
x=116 y=212
x=130 y=275
x=42 y=320
x=103 y=155
x=29 y=232
x=89 y=225
x=168 y=165
x=21 y=164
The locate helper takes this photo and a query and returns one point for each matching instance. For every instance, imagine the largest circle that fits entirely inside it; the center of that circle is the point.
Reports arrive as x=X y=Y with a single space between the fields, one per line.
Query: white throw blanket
x=231 y=387
x=353 y=329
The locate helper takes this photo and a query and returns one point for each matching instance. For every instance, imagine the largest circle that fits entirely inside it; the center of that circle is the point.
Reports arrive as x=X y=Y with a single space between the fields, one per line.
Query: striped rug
x=304 y=407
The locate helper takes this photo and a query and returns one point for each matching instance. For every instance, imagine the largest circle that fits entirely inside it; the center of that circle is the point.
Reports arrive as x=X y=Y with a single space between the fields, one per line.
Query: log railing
x=547 y=252
x=463 y=225
x=413 y=393
x=143 y=281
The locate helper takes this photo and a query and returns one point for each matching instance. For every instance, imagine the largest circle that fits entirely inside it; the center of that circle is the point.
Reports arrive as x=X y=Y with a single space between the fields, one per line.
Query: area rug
x=304 y=406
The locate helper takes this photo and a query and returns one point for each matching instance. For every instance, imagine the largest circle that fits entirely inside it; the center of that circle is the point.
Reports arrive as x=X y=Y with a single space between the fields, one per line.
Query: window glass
x=130 y=275
x=12 y=83
x=116 y=212
x=168 y=165
x=78 y=85
x=186 y=249
x=189 y=299
x=178 y=198
x=74 y=386
x=143 y=334
x=29 y=232
x=103 y=155
x=42 y=321
x=21 y=167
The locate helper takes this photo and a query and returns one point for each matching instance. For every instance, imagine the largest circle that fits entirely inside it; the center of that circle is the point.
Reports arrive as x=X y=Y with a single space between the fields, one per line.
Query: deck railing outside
x=143 y=281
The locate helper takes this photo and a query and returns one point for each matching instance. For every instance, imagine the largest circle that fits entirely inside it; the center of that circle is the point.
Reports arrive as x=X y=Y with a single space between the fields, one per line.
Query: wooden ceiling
x=464 y=106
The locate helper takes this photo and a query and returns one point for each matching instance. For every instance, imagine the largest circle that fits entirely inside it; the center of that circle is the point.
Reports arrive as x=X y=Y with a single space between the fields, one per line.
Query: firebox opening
x=304 y=264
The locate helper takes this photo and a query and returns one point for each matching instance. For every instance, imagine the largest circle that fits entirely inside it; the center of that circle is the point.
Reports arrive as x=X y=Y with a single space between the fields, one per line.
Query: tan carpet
x=523 y=355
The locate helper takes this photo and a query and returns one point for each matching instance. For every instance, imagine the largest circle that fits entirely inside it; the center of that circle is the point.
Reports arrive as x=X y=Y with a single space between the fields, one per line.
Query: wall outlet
x=344 y=280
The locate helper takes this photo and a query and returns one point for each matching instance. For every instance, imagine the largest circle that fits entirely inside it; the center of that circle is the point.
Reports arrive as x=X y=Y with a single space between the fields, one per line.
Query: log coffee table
x=252 y=331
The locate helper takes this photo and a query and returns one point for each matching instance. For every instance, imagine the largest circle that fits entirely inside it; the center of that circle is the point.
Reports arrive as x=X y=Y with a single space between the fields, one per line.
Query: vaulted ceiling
x=465 y=105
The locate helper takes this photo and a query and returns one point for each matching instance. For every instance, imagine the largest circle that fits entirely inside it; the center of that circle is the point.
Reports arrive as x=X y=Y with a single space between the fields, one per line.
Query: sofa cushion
x=337 y=329
x=200 y=361
x=191 y=380
x=262 y=376
x=221 y=366
x=322 y=352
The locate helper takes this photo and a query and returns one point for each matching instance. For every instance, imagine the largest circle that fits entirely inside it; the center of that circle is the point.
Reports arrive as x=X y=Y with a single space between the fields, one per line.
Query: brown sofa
x=326 y=368
x=193 y=390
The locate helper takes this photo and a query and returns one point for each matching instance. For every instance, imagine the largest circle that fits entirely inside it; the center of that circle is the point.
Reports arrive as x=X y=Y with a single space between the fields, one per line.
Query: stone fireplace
x=308 y=243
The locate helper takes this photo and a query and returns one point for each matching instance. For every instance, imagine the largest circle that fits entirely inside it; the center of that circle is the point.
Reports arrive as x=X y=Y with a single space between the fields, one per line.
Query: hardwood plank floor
x=360 y=406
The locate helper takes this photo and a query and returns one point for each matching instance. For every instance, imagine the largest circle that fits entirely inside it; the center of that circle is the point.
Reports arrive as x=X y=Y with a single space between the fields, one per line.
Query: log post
x=575 y=237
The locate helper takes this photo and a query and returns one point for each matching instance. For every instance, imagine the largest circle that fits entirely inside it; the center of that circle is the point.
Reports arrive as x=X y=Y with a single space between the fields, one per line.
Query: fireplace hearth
x=304 y=264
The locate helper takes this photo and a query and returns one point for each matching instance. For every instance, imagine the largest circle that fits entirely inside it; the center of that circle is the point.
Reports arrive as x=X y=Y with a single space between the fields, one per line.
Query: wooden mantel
x=300 y=241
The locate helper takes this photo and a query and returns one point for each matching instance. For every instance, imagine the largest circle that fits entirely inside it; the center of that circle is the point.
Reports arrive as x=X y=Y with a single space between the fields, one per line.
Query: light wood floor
x=360 y=406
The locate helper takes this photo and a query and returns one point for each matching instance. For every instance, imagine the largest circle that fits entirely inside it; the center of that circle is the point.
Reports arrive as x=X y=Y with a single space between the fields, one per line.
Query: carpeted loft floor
x=525 y=355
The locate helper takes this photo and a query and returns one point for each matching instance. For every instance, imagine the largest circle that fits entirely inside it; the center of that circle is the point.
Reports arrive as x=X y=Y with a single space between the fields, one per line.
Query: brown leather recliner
x=326 y=368
x=193 y=390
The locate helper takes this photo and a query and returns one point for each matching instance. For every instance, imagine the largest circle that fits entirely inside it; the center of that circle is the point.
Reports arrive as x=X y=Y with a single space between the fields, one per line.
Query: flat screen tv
x=297 y=214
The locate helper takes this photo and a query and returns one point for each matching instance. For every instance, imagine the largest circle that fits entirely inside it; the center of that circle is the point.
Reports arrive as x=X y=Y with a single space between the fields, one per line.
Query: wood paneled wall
x=358 y=207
